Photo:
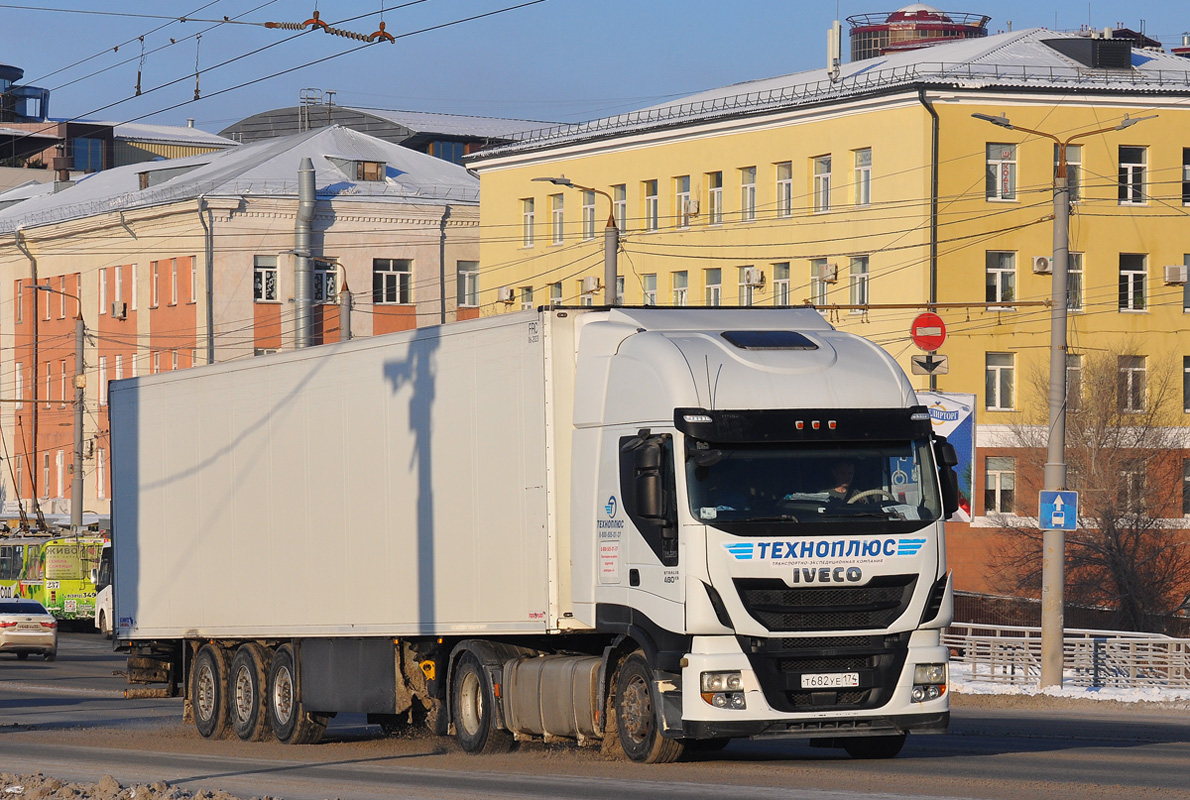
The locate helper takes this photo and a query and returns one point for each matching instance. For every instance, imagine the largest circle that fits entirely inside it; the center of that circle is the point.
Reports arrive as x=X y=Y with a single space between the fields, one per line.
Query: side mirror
x=948 y=479
x=648 y=485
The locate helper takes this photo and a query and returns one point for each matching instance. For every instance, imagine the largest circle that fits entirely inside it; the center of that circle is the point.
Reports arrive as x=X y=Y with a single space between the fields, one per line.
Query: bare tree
x=1125 y=454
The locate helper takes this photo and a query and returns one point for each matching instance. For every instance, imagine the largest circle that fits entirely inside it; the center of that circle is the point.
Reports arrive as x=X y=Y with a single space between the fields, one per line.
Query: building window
x=154 y=293
x=999 y=381
x=48 y=298
x=679 y=288
x=588 y=214
x=781 y=284
x=585 y=298
x=1130 y=389
x=193 y=282
x=118 y=284
x=715 y=198
x=682 y=201
x=45 y=475
x=818 y=280
x=822 y=184
x=785 y=189
x=863 y=176
x=60 y=472
x=859 y=283
x=448 y=151
x=173 y=282
x=620 y=287
x=1185 y=286
x=119 y=367
x=1185 y=487
x=999 y=485
x=556 y=294
x=747 y=194
x=1001 y=172
x=1186 y=176
x=620 y=206
x=526 y=297
x=1132 y=282
x=527 y=214
x=1000 y=281
x=651 y=205
x=745 y=288
x=49 y=383
x=1130 y=494
x=156 y=362
x=1074 y=281
x=369 y=170
x=264 y=279
x=102 y=291
x=714 y=284
x=173 y=360
x=135 y=270
x=1074 y=170
x=392 y=280
x=20 y=309
x=648 y=285
x=100 y=473
x=1132 y=175
x=325 y=273
x=557 y=219
x=62 y=384
x=467 y=283
x=103 y=380
x=1074 y=381
x=87 y=154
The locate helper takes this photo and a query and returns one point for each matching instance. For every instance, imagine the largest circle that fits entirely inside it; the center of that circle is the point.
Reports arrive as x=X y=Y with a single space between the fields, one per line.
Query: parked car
x=26 y=627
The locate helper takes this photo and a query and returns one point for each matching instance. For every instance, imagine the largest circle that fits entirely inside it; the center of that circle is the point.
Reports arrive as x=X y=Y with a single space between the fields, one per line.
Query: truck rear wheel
x=473 y=709
x=291 y=723
x=249 y=713
x=874 y=746
x=208 y=692
x=637 y=717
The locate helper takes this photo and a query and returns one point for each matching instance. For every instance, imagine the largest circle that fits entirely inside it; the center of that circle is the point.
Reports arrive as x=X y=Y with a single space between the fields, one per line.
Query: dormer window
x=369 y=170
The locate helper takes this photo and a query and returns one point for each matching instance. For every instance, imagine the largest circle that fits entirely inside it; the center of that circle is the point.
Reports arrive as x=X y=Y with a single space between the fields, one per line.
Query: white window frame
x=746 y=294
x=102 y=290
x=396 y=278
x=818 y=287
x=262 y=268
x=681 y=287
x=1074 y=281
x=103 y=380
x=1131 y=389
x=620 y=206
x=781 y=283
x=1133 y=175
x=118 y=283
x=528 y=217
x=100 y=473
x=193 y=282
x=1000 y=178
x=467 y=283
x=324 y=277
x=999 y=381
x=747 y=194
x=1133 y=283
x=999 y=481
x=714 y=198
x=649 y=289
x=822 y=184
x=556 y=293
x=557 y=218
x=154 y=290
x=134 y=270
x=713 y=280
x=682 y=201
x=119 y=367
x=63 y=382
x=652 y=205
x=784 y=172
x=173 y=282
x=1074 y=170
x=588 y=215
x=1000 y=277
x=863 y=176
x=859 y=282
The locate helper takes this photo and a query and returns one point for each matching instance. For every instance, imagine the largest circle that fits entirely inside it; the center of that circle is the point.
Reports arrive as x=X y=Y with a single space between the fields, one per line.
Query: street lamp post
x=611 y=240
x=80 y=383
x=1053 y=547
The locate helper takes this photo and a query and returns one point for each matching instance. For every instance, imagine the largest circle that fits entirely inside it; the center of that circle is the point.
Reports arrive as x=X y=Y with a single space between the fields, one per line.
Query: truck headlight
x=929 y=682
x=723 y=689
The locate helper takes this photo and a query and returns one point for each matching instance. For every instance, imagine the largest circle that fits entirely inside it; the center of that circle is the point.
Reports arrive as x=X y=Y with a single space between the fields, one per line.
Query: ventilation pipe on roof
x=301 y=251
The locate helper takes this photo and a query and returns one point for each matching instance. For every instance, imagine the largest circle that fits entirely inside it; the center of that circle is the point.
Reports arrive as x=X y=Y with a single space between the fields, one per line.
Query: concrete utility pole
x=1053 y=548
x=611 y=241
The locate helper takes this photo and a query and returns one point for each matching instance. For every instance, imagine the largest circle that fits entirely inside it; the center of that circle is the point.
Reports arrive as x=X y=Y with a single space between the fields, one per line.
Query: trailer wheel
x=208 y=692
x=874 y=746
x=291 y=723
x=249 y=713
x=473 y=709
x=637 y=717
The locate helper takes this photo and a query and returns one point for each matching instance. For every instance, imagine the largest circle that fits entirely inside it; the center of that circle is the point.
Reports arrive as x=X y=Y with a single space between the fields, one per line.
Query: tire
x=637 y=715
x=874 y=746
x=105 y=628
x=208 y=692
x=53 y=656
x=472 y=705
x=248 y=681
x=290 y=721
x=22 y=656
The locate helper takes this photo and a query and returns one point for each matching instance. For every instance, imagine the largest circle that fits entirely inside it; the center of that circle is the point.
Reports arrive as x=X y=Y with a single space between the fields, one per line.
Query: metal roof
x=1015 y=60
x=264 y=169
x=168 y=134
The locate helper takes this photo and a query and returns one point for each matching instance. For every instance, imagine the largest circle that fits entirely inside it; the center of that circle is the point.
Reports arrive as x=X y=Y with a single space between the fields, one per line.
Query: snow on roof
x=1017 y=59
x=267 y=168
x=454 y=124
x=168 y=134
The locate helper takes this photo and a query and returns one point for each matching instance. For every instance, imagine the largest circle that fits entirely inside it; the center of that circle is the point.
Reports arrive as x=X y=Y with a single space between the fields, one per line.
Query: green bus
x=56 y=570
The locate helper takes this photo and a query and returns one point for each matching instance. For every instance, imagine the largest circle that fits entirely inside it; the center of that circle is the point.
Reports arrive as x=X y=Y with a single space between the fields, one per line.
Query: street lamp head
x=559 y=181
x=1001 y=120
x=1128 y=121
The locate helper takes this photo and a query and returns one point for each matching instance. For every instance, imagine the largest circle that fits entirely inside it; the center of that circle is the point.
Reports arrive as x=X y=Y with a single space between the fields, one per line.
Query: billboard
x=953 y=416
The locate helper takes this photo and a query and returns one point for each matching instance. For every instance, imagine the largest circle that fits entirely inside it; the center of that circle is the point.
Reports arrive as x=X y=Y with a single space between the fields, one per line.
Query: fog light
x=738 y=701
x=918 y=694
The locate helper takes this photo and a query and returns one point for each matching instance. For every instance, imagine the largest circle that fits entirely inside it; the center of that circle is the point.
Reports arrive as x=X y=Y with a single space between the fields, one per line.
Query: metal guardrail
x=1011 y=654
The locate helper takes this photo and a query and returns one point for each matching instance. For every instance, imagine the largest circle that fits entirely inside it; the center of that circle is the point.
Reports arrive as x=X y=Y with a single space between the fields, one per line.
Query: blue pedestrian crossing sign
x=1058 y=511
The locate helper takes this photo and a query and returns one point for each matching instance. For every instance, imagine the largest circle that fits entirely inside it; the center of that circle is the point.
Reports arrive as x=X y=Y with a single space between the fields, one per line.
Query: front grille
x=779 y=607
x=780 y=663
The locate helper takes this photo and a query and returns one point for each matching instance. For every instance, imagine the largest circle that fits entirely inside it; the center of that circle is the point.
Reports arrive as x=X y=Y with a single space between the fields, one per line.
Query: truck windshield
x=812 y=483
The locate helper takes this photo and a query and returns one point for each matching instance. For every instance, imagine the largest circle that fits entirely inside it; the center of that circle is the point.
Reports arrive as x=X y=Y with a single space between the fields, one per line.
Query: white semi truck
x=616 y=525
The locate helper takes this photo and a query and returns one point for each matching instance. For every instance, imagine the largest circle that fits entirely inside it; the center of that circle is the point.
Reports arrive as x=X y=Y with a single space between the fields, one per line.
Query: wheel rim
x=244 y=696
x=636 y=710
x=470 y=703
x=205 y=694
x=283 y=695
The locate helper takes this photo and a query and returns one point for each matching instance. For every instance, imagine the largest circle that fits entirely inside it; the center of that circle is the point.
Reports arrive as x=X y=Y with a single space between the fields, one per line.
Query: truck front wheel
x=291 y=722
x=249 y=712
x=208 y=692
x=637 y=717
x=473 y=709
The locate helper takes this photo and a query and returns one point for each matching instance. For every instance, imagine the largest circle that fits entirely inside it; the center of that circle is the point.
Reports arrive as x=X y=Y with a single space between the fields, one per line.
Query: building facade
x=877 y=195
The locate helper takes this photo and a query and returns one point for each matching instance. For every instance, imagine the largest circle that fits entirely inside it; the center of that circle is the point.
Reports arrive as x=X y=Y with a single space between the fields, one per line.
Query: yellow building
x=875 y=193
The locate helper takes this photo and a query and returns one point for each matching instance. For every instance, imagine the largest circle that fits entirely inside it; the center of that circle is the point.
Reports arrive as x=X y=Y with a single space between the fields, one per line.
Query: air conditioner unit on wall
x=119 y=310
x=590 y=284
x=1042 y=265
x=1175 y=274
x=505 y=294
x=753 y=277
x=828 y=273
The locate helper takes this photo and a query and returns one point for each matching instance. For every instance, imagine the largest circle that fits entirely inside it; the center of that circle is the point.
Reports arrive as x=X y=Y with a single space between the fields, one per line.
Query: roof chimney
x=189 y=122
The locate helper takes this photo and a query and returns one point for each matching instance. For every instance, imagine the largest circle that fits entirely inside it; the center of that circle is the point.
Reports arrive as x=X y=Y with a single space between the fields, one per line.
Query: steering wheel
x=869 y=493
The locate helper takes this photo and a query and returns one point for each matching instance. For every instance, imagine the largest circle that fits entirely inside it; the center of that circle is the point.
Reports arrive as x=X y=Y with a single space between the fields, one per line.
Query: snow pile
x=961 y=683
x=40 y=787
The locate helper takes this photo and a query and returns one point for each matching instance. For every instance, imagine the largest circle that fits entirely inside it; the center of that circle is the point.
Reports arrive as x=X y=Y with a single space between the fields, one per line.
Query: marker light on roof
x=697 y=418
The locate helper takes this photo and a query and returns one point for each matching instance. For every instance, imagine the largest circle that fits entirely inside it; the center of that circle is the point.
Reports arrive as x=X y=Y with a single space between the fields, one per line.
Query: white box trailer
x=536 y=525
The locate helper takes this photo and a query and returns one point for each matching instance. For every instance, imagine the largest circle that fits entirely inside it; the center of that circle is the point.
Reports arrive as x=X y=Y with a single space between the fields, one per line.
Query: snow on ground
x=962 y=683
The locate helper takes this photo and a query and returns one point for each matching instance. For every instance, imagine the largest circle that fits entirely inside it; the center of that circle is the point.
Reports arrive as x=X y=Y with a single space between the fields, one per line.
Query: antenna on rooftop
x=834 y=50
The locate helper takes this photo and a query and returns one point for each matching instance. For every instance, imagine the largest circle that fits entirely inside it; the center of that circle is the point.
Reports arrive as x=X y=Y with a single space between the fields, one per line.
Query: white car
x=26 y=627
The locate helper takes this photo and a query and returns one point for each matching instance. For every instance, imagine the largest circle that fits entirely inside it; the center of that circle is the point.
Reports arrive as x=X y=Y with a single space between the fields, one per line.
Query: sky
x=547 y=60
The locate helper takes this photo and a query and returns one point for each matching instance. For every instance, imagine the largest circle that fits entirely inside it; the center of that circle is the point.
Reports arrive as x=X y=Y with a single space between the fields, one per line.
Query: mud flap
x=667 y=688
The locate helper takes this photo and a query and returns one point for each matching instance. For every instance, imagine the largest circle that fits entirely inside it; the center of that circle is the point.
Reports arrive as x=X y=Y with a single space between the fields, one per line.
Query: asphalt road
x=68 y=719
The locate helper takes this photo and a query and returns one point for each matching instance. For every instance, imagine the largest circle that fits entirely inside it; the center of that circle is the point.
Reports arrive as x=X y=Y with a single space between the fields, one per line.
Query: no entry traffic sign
x=928 y=331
